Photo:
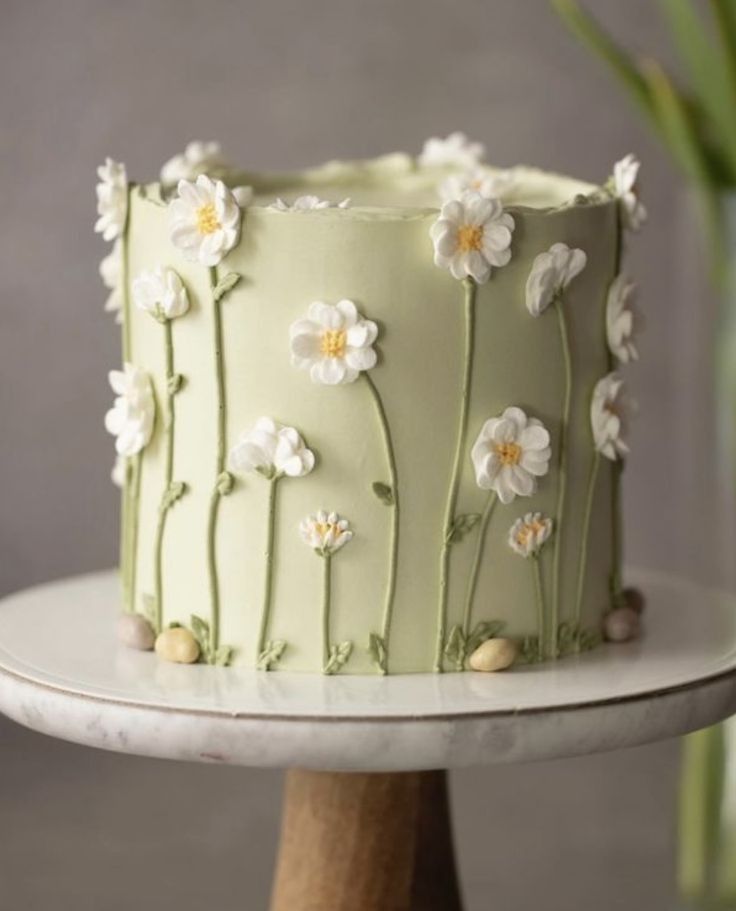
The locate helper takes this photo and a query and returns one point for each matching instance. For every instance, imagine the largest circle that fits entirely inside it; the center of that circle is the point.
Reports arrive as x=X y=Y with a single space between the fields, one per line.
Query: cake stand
x=366 y=818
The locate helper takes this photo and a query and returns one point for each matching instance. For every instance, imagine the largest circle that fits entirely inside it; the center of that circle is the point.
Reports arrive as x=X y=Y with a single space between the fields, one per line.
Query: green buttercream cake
x=370 y=418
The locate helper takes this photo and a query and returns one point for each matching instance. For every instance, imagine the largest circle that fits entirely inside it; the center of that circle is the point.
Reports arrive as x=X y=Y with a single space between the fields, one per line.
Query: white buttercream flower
x=471 y=235
x=480 y=180
x=161 y=293
x=111 y=271
x=551 y=273
x=325 y=532
x=510 y=453
x=204 y=220
x=132 y=415
x=272 y=450
x=334 y=343
x=622 y=319
x=609 y=411
x=119 y=470
x=307 y=204
x=625 y=188
x=455 y=149
x=112 y=199
x=528 y=534
x=197 y=158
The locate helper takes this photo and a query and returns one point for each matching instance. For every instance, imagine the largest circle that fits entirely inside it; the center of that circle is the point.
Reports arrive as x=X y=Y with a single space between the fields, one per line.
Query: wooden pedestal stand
x=366 y=842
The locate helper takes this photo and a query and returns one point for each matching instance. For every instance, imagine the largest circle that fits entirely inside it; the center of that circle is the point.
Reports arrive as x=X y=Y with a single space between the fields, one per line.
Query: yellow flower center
x=333 y=343
x=324 y=528
x=527 y=530
x=469 y=237
x=508 y=453
x=207 y=221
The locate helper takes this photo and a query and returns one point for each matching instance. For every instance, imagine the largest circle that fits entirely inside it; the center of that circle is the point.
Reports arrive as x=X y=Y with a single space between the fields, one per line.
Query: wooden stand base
x=366 y=842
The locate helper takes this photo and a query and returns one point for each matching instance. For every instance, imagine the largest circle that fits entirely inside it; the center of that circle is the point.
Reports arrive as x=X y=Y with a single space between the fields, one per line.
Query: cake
x=370 y=417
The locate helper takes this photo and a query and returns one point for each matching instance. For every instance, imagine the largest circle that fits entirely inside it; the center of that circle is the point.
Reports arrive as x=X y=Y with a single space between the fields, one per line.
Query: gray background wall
x=282 y=84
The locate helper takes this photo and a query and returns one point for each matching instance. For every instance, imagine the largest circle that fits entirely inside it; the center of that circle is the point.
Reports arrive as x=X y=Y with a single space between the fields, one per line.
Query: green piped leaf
x=223 y=656
x=271 y=654
x=225 y=285
x=201 y=632
x=149 y=609
x=461 y=526
x=175 y=491
x=377 y=651
x=225 y=483
x=483 y=630
x=339 y=655
x=456 y=647
x=384 y=492
x=174 y=383
x=529 y=650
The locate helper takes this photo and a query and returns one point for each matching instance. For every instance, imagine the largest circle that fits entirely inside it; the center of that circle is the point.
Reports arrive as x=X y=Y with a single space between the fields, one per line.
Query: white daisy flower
x=131 y=418
x=112 y=199
x=609 y=413
x=551 y=273
x=111 y=270
x=455 y=149
x=272 y=450
x=491 y=184
x=325 y=532
x=307 y=204
x=623 y=319
x=334 y=343
x=625 y=188
x=204 y=220
x=197 y=158
x=510 y=453
x=528 y=534
x=160 y=292
x=471 y=235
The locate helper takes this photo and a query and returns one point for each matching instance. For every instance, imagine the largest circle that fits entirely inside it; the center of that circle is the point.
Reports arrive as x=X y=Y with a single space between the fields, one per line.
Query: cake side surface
x=423 y=572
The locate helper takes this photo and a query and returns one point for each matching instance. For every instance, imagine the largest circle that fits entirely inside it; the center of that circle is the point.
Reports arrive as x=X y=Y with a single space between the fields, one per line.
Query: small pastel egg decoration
x=622 y=624
x=494 y=655
x=177 y=645
x=134 y=631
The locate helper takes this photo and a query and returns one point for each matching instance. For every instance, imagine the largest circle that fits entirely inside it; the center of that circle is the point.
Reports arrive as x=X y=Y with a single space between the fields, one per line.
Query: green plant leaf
x=384 y=492
x=711 y=71
x=175 y=491
x=461 y=526
x=377 y=651
x=225 y=285
x=271 y=654
x=483 y=630
x=456 y=647
x=225 y=483
x=586 y=28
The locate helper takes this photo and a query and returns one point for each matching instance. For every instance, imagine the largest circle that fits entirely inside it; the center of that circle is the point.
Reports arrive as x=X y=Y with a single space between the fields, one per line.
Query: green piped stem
x=273 y=485
x=135 y=485
x=125 y=285
x=616 y=560
x=561 y=472
x=539 y=596
x=220 y=467
x=388 y=608
x=124 y=558
x=168 y=473
x=326 y=603
x=583 y=562
x=468 y=351
x=477 y=559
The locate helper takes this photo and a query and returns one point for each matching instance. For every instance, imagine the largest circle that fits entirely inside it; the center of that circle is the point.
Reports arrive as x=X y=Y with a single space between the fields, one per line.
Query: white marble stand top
x=62 y=673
